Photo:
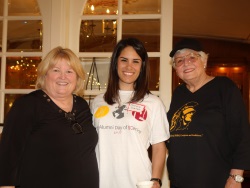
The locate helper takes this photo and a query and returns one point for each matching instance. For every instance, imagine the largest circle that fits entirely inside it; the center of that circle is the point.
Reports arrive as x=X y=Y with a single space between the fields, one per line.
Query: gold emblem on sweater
x=183 y=116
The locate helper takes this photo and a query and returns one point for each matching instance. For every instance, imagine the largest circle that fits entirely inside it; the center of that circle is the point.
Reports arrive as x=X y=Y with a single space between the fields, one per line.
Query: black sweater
x=40 y=150
x=210 y=135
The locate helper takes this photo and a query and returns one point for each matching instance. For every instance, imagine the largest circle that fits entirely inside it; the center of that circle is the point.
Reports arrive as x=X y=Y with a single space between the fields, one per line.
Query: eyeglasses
x=179 y=61
x=77 y=128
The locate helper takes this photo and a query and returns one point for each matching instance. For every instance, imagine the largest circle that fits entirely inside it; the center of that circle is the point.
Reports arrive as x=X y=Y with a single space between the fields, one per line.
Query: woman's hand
x=156 y=184
x=231 y=183
x=7 y=186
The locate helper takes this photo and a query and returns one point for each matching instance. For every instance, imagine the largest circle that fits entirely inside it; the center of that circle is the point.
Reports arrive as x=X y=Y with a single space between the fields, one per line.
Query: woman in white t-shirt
x=129 y=119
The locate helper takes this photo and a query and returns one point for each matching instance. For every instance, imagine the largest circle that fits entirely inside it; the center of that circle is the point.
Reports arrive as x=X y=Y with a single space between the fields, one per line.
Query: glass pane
x=96 y=72
x=23 y=8
x=21 y=72
x=147 y=31
x=24 y=36
x=1 y=7
x=100 y=7
x=141 y=6
x=1 y=35
x=8 y=102
x=154 y=73
x=97 y=35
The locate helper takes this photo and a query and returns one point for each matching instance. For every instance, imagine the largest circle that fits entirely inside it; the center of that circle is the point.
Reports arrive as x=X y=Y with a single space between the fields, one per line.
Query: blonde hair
x=52 y=58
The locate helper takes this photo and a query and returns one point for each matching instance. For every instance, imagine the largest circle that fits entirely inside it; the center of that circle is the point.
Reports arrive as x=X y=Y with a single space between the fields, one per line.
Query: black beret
x=189 y=43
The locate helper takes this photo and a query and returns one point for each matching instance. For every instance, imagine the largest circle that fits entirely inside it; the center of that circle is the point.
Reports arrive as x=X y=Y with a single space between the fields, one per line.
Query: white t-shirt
x=125 y=134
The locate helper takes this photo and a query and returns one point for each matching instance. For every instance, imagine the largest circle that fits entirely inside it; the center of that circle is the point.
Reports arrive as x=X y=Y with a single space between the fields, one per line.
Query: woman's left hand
x=156 y=184
x=231 y=183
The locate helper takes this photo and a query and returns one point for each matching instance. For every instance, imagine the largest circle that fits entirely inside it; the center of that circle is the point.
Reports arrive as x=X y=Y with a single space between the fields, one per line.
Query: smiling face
x=191 y=69
x=128 y=67
x=60 y=80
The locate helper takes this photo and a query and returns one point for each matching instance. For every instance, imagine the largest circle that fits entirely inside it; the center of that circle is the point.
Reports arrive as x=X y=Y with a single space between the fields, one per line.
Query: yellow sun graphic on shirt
x=101 y=111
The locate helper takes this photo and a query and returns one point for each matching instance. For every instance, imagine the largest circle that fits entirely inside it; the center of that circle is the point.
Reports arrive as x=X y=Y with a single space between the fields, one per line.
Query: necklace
x=125 y=97
x=194 y=87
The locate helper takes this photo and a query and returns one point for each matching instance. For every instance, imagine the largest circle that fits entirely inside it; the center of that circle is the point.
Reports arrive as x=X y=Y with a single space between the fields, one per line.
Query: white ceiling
x=219 y=19
x=222 y=19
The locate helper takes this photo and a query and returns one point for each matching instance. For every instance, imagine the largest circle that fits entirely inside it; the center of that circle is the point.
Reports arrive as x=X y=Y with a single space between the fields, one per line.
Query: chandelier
x=109 y=3
x=97 y=33
x=104 y=6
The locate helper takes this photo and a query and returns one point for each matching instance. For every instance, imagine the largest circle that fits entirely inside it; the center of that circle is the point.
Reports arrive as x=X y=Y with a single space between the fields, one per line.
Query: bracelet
x=156 y=179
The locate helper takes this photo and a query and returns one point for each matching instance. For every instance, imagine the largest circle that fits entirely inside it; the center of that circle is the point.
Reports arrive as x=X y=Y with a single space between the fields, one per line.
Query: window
x=104 y=23
x=30 y=28
x=21 y=41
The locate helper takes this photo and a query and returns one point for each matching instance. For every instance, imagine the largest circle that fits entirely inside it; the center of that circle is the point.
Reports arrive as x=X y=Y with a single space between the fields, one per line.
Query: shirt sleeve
x=238 y=128
x=160 y=125
x=16 y=130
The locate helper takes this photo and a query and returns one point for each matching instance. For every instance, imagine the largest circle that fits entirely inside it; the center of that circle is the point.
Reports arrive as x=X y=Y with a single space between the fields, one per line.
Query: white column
x=45 y=7
x=76 y=9
x=165 y=67
x=166 y=46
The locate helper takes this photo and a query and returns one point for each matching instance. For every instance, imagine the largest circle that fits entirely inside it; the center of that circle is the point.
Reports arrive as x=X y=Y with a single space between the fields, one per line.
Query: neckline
x=204 y=85
x=126 y=91
x=57 y=108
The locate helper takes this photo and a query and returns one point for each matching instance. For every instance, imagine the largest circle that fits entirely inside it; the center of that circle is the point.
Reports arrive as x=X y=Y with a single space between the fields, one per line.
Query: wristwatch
x=237 y=178
x=156 y=179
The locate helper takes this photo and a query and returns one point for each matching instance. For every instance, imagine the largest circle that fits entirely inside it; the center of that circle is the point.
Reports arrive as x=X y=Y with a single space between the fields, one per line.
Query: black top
x=39 y=149
x=210 y=135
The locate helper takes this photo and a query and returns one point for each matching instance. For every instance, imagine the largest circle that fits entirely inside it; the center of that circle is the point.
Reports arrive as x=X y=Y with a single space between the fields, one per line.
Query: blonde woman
x=48 y=139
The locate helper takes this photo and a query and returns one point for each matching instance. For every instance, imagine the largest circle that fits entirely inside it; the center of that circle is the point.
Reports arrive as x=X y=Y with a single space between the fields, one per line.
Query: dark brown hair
x=111 y=96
